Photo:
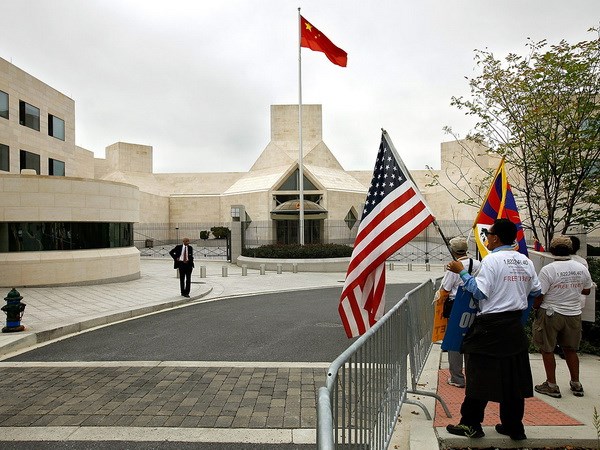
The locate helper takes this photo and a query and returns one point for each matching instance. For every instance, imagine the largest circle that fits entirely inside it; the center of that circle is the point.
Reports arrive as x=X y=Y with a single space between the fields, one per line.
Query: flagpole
x=300 y=163
x=408 y=174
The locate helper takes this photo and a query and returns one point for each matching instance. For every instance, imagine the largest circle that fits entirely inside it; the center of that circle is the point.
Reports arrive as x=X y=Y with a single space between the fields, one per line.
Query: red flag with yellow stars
x=312 y=38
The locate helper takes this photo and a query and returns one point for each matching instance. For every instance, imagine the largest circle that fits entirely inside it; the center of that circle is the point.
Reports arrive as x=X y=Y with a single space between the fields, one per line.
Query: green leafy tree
x=541 y=112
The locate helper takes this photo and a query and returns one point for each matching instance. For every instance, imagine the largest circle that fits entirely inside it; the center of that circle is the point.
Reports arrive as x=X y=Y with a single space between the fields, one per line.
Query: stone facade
x=123 y=188
x=33 y=199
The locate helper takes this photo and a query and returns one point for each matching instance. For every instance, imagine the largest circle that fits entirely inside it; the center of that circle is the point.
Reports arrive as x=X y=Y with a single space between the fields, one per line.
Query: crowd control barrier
x=367 y=384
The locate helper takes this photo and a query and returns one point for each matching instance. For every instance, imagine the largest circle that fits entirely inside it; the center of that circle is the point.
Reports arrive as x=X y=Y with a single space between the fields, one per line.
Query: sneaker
x=465 y=430
x=545 y=389
x=515 y=436
x=452 y=383
x=576 y=388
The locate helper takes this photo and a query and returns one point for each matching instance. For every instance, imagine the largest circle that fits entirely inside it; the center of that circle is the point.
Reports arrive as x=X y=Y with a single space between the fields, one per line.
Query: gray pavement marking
x=158 y=434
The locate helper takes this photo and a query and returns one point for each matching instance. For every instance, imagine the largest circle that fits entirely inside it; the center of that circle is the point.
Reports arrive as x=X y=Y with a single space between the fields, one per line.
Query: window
x=29 y=115
x=4 y=161
x=43 y=236
x=3 y=104
x=350 y=218
x=30 y=161
x=56 y=127
x=56 y=167
x=293 y=183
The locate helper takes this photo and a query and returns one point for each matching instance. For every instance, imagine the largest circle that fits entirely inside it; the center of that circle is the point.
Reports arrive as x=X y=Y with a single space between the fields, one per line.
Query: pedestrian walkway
x=232 y=402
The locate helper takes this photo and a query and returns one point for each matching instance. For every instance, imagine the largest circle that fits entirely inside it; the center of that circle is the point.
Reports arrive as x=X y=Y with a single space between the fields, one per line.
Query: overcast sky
x=195 y=79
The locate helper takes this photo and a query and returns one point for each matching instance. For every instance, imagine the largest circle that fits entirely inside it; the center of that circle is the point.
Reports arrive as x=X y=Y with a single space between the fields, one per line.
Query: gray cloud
x=195 y=79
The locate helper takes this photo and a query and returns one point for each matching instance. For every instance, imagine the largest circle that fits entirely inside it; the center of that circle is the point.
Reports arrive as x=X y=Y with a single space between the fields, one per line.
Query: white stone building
x=67 y=217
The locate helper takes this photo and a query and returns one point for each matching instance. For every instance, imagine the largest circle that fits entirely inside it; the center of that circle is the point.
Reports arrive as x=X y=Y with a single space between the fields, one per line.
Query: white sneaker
x=452 y=383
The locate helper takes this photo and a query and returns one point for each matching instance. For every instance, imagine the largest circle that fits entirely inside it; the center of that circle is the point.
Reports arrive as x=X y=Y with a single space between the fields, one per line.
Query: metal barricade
x=368 y=383
x=420 y=309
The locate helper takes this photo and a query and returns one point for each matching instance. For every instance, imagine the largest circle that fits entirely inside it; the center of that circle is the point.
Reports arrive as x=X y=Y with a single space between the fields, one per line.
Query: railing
x=427 y=247
x=420 y=309
x=368 y=383
x=209 y=249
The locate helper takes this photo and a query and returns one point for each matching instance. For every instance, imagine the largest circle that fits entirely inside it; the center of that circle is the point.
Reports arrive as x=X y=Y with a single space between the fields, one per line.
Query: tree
x=541 y=113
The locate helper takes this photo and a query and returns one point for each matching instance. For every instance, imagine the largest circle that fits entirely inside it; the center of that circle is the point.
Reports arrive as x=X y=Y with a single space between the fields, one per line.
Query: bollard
x=428 y=267
x=224 y=271
x=279 y=269
x=202 y=271
x=409 y=267
x=262 y=269
x=14 y=311
x=244 y=270
x=295 y=268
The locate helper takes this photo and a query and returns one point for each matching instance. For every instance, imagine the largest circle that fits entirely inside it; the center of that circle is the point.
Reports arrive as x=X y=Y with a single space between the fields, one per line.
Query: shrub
x=220 y=232
x=204 y=234
x=590 y=341
x=292 y=251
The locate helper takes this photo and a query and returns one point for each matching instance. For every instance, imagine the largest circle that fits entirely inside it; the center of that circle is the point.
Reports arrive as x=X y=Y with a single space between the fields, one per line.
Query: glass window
x=56 y=167
x=29 y=115
x=47 y=236
x=56 y=127
x=350 y=218
x=293 y=183
x=30 y=161
x=3 y=104
x=4 y=161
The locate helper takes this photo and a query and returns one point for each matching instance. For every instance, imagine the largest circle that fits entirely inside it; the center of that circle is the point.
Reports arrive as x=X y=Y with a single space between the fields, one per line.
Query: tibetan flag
x=499 y=203
x=311 y=37
x=394 y=213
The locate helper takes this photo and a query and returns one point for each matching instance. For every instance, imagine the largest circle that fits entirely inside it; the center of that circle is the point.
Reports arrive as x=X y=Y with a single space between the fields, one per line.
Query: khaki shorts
x=557 y=328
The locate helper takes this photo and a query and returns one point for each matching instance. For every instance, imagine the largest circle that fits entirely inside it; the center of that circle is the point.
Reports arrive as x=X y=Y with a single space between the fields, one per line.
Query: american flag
x=394 y=214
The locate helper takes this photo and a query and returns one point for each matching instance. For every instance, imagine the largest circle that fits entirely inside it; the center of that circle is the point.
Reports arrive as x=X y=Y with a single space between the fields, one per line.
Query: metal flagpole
x=408 y=174
x=300 y=164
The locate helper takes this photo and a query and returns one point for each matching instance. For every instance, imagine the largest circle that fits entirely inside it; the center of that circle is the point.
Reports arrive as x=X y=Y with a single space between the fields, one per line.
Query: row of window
x=30 y=160
x=29 y=116
x=43 y=236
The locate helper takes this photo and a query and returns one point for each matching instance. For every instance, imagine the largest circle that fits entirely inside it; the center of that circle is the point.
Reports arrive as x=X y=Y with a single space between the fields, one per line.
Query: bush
x=590 y=341
x=220 y=232
x=204 y=234
x=291 y=251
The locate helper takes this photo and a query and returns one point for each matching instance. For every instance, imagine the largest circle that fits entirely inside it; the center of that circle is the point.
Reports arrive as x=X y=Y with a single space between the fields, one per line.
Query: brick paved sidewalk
x=159 y=395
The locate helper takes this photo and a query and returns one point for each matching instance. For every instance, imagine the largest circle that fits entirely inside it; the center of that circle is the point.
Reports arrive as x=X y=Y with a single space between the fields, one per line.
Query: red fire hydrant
x=14 y=311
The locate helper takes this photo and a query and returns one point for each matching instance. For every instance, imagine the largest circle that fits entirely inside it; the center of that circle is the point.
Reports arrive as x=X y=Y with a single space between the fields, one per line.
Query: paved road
x=301 y=326
x=249 y=364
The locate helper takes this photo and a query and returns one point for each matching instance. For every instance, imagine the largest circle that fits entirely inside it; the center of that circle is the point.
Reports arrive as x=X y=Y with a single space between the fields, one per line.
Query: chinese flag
x=317 y=41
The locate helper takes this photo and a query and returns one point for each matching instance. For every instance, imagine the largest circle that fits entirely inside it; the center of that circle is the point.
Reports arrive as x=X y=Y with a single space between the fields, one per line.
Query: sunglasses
x=487 y=233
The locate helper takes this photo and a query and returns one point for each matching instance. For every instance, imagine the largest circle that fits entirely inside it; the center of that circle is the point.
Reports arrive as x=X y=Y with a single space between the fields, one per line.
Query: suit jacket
x=176 y=253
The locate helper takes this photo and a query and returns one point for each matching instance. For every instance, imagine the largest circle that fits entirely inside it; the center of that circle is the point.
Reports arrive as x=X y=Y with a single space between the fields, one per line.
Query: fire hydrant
x=14 y=311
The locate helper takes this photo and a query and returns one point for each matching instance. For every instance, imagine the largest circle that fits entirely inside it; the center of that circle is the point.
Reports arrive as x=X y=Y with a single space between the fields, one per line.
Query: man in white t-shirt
x=496 y=346
x=448 y=288
x=558 y=315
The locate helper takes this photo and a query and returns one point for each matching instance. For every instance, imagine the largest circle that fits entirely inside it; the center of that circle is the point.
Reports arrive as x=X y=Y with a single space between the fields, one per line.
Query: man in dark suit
x=183 y=257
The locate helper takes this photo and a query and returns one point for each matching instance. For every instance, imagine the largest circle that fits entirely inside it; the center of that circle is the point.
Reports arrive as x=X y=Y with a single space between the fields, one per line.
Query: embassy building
x=67 y=217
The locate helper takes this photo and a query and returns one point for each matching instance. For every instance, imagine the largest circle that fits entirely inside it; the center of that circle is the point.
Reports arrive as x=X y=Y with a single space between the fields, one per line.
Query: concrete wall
x=64 y=268
x=35 y=198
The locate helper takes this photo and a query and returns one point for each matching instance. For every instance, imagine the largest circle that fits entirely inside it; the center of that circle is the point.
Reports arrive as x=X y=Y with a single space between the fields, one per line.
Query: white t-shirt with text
x=506 y=277
x=562 y=283
x=452 y=281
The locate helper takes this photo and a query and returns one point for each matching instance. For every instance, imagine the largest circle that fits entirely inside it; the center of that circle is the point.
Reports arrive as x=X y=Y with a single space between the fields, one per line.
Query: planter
x=303 y=265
